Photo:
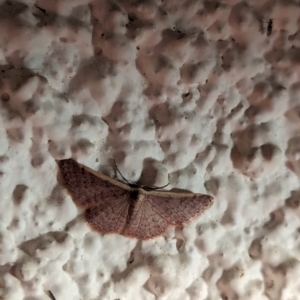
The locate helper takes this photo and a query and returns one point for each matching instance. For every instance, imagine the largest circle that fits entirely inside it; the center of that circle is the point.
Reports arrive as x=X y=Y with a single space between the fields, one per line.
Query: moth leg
x=153 y=188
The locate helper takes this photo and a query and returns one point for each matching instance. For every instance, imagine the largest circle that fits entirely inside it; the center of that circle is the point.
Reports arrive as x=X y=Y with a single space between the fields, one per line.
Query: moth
x=269 y=26
x=112 y=206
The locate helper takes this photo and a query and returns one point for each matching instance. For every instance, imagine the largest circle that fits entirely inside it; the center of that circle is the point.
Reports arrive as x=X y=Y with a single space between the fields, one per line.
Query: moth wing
x=178 y=208
x=87 y=187
x=109 y=217
x=145 y=222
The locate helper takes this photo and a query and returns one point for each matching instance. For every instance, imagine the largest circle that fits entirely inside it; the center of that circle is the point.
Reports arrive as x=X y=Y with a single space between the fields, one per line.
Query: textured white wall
x=193 y=92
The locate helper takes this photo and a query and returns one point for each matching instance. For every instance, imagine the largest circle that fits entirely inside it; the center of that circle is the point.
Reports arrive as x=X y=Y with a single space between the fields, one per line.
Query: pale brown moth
x=111 y=206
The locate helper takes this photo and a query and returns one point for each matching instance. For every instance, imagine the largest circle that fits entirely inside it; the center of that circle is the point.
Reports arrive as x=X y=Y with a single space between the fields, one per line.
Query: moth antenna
x=121 y=173
x=51 y=295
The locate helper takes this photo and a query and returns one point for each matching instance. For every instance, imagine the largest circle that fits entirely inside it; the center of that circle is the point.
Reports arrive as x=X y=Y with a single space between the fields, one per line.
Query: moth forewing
x=107 y=178
x=172 y=194
x=179 y=208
